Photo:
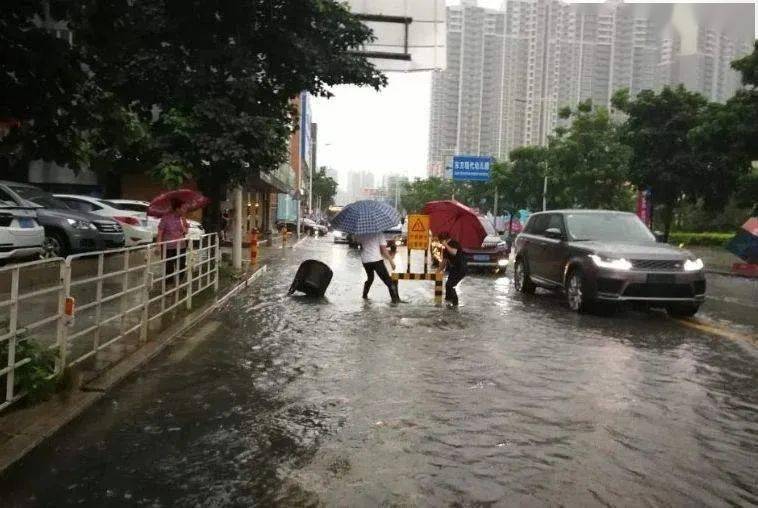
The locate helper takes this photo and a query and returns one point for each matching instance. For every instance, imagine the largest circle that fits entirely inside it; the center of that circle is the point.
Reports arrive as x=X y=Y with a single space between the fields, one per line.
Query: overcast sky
x=383 y=132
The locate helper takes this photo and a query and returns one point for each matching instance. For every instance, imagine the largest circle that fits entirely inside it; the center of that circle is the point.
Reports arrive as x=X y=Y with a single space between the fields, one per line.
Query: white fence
x=117 y=297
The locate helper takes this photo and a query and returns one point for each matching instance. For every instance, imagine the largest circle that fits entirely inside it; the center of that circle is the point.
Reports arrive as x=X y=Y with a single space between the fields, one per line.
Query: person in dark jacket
x=455 y=262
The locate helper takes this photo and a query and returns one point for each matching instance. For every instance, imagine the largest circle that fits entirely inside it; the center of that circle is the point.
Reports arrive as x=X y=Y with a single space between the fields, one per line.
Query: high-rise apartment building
x=467 y=95
x=510 y=71
x=708 y=70
x=360 y=185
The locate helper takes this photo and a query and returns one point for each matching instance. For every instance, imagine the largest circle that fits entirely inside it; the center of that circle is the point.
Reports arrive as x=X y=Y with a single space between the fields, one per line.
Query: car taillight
x=132 y=221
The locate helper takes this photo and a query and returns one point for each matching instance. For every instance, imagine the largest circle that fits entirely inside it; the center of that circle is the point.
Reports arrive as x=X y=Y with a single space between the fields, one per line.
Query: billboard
x=473 y=168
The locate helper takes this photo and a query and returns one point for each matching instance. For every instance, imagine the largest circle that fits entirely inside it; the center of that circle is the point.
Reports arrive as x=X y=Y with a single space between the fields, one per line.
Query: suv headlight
x=693 y=265
x=80 y=224
x=611 y=263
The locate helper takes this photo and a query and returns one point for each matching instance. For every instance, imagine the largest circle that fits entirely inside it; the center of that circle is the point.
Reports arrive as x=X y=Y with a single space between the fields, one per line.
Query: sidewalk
x=24 y=428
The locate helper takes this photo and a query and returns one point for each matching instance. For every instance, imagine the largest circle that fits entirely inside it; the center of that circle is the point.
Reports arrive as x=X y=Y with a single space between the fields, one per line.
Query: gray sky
x=387 y=132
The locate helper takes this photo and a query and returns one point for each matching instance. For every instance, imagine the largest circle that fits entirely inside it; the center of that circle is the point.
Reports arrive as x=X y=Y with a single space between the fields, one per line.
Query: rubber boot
x=394 y=295
x=366 y=287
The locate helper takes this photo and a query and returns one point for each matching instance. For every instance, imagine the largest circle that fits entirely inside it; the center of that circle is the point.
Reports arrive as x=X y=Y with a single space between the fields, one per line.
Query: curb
x=297 y=243
x=730 y=274
x=43 y=421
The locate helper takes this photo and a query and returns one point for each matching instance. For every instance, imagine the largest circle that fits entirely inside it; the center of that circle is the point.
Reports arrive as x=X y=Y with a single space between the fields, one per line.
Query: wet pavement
x=508 y=400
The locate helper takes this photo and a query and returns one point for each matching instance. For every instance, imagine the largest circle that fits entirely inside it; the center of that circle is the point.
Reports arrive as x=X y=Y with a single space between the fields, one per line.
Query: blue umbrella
x=366 y=218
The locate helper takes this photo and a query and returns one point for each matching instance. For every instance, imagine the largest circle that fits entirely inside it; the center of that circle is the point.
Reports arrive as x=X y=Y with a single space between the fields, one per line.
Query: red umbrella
x=190 y=200
x=457 y=220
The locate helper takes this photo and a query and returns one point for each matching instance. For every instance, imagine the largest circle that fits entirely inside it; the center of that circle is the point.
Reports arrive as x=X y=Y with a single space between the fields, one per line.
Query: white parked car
x=195 y=228
x=20 y=234
x=134 y=225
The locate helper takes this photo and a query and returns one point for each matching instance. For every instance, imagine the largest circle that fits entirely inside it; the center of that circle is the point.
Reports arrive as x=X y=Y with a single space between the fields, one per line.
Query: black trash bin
x=312 y=278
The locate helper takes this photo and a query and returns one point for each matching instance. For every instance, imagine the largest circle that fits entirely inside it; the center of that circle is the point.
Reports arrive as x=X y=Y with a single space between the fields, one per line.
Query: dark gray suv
x=68 y=231
x=606 y=256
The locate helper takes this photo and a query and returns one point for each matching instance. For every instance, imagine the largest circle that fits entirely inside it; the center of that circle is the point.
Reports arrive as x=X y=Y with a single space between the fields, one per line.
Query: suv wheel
x=54 y=245
x=521 y=279
x=682 y=309
x=576 y=295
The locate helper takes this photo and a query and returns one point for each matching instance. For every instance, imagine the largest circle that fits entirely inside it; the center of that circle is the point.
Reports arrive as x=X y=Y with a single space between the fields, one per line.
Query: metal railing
x=118 y=294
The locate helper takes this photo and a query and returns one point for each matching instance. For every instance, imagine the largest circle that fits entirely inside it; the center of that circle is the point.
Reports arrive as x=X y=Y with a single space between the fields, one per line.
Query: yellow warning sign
x=418 y=232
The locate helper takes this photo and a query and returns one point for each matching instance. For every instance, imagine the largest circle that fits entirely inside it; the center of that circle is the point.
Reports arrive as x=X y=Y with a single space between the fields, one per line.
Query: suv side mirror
x=659 y=237
x=554 y=233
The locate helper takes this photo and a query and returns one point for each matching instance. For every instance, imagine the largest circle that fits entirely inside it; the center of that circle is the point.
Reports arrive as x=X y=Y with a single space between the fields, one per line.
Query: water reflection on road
x=506 y=400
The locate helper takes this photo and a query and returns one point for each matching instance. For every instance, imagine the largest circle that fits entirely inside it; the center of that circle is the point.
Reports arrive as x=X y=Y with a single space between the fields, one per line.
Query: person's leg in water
x=369 y=267
x=381 y=271
x=452 y=280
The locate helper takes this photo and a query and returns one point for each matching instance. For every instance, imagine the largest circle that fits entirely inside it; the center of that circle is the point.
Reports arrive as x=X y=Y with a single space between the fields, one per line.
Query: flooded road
x=508 y=400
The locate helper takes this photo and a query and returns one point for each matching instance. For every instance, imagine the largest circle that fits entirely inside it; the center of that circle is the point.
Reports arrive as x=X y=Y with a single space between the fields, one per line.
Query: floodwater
x=508 y=400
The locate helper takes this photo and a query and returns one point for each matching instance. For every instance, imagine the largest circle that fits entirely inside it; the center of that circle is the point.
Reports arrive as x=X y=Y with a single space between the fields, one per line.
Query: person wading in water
x=454 y=260
x=373 y=253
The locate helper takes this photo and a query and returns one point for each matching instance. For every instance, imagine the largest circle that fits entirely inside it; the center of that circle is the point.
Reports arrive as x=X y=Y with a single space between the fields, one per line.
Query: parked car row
x=35 y=223
x=20 y=234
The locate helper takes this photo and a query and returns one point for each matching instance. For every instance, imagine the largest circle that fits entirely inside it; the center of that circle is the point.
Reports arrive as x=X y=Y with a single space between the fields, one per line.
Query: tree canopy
x=324 y=188
x=187 y=89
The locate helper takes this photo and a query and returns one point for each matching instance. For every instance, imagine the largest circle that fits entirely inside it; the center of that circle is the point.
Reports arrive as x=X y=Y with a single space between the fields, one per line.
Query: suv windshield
x=608 y=227
x=39 y=197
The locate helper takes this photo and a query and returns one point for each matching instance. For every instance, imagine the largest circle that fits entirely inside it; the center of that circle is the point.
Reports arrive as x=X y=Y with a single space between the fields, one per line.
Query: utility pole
x=237 y=231
x=544 y=190
x=310 y=190
x=494 y=209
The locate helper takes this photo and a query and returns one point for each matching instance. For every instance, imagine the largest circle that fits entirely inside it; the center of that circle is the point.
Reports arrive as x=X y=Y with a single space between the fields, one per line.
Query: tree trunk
x=213 y=189
x=667 y=216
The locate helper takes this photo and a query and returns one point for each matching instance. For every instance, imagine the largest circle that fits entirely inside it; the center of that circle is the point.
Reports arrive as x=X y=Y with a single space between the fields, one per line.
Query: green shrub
x=710 y=239
x=34 y=377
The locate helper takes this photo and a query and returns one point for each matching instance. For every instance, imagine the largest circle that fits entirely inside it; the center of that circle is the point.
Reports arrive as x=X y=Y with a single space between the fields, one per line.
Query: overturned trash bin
x=312 y=278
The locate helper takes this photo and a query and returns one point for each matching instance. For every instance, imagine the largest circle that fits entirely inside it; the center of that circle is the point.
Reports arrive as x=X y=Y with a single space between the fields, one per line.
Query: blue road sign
x=471 y=167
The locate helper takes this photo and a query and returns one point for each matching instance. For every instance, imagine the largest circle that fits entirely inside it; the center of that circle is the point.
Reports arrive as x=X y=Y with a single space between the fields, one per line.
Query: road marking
x=715 y=330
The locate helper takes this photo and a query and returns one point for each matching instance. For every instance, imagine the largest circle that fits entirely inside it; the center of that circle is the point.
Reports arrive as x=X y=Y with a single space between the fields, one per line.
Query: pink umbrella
x=190 y=200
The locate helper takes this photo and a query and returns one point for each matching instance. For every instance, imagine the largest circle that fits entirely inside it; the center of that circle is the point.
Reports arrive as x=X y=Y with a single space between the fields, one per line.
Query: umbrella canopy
x=457 y=220
x=191 y=200
x=366 y=217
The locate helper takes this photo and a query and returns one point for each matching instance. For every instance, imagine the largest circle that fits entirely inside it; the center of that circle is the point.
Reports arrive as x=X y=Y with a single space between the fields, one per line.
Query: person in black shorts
x=455 y=262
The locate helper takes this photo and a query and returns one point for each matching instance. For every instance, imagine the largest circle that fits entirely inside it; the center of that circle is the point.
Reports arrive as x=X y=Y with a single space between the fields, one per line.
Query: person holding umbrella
x=454 y=260
x=366 y=220
x=373 y=253
x=172 y=229
x=171 y=207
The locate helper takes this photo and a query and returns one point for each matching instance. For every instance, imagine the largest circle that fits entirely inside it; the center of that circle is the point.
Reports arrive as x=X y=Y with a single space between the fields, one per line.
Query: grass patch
x=708 y=239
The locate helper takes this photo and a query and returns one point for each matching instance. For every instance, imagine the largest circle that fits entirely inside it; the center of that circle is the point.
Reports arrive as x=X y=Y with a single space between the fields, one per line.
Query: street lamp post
x=544 y=190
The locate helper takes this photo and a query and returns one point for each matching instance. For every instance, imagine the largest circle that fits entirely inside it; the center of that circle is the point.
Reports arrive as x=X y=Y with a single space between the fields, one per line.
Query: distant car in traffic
x=21 y=237
x=606 y=256
x=340 y=236
x=312 y=227
x=394 y=237
x=135 y=227
x=68 y=231
x=493 y=253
